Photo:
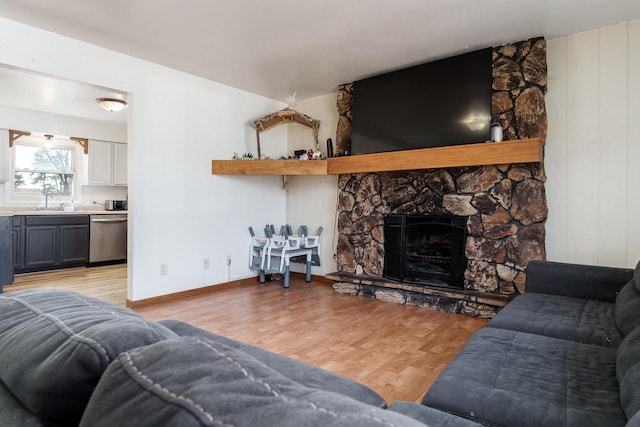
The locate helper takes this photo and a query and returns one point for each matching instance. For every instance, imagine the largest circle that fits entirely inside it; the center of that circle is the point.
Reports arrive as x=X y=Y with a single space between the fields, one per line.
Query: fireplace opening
x=425 y=249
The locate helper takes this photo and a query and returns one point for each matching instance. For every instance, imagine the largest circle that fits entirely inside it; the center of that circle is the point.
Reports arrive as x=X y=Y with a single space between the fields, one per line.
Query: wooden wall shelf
x=486 y=153
x=269 y=167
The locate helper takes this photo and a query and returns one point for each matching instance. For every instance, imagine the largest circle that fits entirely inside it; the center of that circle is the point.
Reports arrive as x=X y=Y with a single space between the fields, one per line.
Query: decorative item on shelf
x=496 y=132
x=286 y=116
x=329 y=148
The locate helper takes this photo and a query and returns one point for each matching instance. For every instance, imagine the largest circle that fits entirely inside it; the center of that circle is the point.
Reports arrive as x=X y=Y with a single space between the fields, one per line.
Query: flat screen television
x=446 y=102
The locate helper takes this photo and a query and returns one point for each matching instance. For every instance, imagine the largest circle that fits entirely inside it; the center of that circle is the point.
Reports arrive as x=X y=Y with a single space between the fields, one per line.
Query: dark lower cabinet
x=40 y=246
x=74 y=244
x=52 y=241
x=17 y=244
x=6 y=269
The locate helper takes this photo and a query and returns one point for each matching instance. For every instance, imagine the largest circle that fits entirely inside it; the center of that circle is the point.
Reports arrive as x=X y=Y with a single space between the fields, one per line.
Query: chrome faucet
x=46 y=201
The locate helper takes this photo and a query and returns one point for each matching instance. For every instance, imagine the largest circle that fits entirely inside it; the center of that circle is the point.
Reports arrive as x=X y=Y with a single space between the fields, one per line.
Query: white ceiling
x=30 y=91
x=278 y=47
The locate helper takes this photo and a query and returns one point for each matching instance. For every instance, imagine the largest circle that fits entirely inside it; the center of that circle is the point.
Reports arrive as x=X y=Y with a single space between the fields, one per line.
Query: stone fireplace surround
x=505 y=205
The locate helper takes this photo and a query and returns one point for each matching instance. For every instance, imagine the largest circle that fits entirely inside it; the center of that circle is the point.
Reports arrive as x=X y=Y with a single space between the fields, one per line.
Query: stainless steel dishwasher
x=108 y=241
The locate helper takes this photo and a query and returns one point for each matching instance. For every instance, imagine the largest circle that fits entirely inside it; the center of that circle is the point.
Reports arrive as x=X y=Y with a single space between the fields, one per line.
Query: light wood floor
x=107 y=282
x=396 y=350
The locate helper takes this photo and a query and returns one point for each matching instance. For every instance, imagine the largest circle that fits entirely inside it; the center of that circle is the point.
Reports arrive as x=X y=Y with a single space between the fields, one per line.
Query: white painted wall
x=593 y=146
x=179 y=212
x=312 y=200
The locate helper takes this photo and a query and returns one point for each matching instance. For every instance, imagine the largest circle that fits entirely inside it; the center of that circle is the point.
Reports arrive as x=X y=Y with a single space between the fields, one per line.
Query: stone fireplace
x=501 y=207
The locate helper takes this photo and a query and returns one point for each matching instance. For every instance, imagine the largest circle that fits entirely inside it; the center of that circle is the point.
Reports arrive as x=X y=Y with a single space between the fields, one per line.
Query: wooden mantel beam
x=486 y=153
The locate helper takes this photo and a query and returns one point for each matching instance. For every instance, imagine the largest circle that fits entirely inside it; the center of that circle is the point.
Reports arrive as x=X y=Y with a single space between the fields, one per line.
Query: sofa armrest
x=575 y=280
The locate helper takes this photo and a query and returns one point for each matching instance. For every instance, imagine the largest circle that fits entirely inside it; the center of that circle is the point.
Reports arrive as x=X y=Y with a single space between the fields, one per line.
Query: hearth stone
x=479 y=180
x=528 y=108
x=458 y=204
x=391 y=296
x=524 y=205
x=503 y=193
x=508 y=75
x=466 y=302
x=534 y=67
x=482 y=276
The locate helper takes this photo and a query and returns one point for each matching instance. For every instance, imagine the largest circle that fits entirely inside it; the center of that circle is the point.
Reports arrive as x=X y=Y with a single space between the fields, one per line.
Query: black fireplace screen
x=425 y=249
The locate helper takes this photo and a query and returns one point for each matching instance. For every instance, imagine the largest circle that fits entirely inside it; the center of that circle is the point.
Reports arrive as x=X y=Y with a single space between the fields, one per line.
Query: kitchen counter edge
x=78 y=212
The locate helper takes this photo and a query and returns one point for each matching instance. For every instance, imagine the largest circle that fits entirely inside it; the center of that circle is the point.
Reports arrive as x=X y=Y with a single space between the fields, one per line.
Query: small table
x=283 y=267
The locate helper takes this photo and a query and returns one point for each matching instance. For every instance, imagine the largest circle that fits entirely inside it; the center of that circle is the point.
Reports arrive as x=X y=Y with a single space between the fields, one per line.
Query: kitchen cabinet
x=107 y=163
x=17 y=242
x=119 y=164
x=53 y=241
x=6 y=272
x=74 y=244
x=40 y=246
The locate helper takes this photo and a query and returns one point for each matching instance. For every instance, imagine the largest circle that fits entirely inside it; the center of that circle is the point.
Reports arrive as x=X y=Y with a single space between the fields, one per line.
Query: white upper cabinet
x=107 y=163
x=119 y=164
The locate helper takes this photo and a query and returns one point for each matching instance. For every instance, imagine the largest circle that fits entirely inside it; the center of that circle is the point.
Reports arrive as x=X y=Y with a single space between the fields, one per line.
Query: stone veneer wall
x=505 y=204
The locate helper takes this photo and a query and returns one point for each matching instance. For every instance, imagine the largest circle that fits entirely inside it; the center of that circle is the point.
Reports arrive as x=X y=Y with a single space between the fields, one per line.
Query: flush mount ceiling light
x=111 y=104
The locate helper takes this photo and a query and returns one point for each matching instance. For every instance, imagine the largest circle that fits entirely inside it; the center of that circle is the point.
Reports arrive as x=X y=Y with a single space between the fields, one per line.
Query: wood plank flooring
x=396 y=350
x=107 y=282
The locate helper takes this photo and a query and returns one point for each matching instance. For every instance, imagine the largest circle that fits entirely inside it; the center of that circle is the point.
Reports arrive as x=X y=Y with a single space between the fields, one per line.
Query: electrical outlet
x=228 y=259
x=205 y=263
x=163 y=269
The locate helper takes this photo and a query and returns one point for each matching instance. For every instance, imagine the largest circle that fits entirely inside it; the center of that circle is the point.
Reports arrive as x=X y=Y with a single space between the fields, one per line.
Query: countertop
x=76 y=212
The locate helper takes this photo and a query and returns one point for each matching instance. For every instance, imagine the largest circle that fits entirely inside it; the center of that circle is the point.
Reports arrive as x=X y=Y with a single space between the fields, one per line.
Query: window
x=42 y=166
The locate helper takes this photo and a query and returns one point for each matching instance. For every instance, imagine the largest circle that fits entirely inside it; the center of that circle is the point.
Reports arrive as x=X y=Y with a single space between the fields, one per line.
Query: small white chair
x=276 y=254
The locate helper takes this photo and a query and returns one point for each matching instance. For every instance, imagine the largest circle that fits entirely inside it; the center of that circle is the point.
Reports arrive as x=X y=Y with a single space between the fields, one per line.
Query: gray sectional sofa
x=69 y=360
x=563 y=354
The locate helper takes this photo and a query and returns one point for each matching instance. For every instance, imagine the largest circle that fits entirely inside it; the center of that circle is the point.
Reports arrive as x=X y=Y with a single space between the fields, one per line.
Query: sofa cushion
x=300 y=372
x=55 y=345
x=12 y=413
x=629 y=373
x=431 y=416
x=627 y=311
x=635 y=421
x=193 y=381
x=510 y=378
x=575 y=319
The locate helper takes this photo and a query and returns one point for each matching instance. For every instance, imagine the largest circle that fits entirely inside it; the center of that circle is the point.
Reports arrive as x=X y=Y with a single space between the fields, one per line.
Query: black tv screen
x=446 y=102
